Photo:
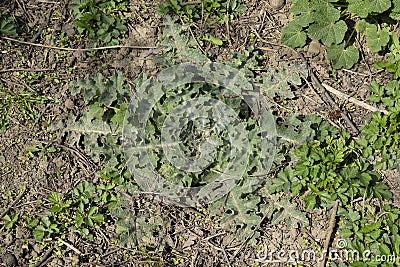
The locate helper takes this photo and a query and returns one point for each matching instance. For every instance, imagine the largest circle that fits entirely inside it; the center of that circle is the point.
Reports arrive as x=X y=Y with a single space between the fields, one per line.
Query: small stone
x=276 y=4
x=10 y=260
x=314 y=47
x=69 y=104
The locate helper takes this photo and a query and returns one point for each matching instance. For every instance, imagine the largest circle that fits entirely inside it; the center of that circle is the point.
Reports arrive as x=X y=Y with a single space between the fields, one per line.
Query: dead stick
x=353 y=100
x=315 y=79
x=44 y=257
x=77 y=49
x=27 y=70
x=332 y=223
x=77 y=251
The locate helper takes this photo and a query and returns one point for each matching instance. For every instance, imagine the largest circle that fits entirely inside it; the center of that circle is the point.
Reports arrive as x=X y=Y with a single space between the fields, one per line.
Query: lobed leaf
x=343 y=57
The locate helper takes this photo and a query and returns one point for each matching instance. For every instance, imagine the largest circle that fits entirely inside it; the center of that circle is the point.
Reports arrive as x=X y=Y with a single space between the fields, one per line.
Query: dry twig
x=77 y=251
x=353 y=100
x=332 y=223
x=327 y=96
x=77 y=49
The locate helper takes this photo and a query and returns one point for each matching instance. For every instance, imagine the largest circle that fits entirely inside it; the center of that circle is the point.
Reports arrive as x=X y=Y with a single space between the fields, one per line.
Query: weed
x=88 y=208
x=100 y=20
x=21 y=105
x=7 y=25
x=189 y=12
x=328 y=22
x=216 y=11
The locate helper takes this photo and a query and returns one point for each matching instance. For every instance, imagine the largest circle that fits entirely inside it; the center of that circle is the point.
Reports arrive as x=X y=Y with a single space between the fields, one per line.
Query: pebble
x=276 y=4
x=69 y=104
x=10 y=260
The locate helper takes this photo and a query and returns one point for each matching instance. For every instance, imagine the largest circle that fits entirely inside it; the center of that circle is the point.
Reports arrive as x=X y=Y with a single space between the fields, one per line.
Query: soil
x=185 y=234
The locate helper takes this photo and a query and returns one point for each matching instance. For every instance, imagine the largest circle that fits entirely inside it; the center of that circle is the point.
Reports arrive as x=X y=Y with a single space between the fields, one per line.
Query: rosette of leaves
x=99 y=129
x=100 y=20
x=325 y=21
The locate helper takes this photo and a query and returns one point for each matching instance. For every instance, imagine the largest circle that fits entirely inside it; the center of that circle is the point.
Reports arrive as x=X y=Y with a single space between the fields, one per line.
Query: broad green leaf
x=342 y=57
x=325 y=12
x=381 y=191
x=39 y=233
x=364 y=8
x=303 y=12
x=328 y=32
x=377 y=38
x=379 y=6
x=7 y=25
x=370 y=227
x=395 y=14
x=311 y=201
x=358 y=7
x=361 y=25
x=293 y=35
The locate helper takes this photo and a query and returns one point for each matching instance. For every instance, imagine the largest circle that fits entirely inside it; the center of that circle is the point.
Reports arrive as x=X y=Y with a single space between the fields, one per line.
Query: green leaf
x=381 y=191
x=395 y=14
x=358 y=7
x=342 y=57
x=304 y=12
x=328 y=32
x=293 y=35
x=370 y=228
x=39 y=233
x=212 y=39
x=366 y=7
x=311 y=201
x=377 y=38
x=379 y=6
x=7 y=25
x=325 y=12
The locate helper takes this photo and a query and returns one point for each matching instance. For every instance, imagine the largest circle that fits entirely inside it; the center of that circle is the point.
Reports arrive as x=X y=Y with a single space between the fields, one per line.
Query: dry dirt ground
x=187 y=237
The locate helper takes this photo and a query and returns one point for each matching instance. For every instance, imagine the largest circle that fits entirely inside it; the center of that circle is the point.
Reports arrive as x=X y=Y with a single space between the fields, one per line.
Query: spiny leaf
x=290 y=214
x=293 y=35
x=342 y=57
x=277 y=83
